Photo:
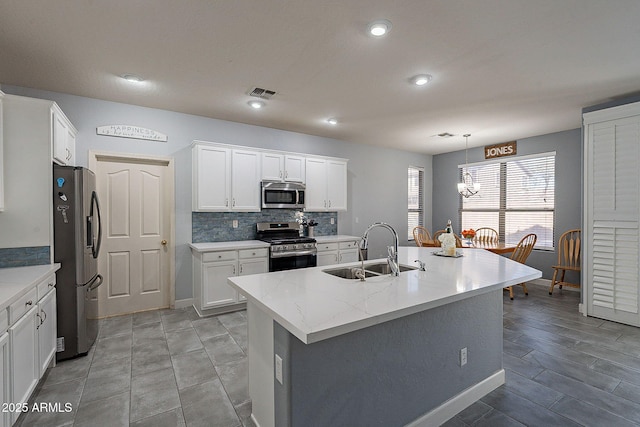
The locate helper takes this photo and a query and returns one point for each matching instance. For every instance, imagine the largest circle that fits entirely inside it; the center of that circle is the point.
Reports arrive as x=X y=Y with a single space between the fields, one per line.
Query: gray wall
x=377 y=177
x=568 y=191
x=392 y=373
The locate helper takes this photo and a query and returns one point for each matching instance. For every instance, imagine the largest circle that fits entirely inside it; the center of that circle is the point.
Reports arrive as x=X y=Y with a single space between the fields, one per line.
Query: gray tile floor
x=171 y=368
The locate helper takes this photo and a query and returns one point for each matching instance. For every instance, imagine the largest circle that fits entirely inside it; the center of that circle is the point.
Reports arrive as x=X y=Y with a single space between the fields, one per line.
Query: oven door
x=291 y=262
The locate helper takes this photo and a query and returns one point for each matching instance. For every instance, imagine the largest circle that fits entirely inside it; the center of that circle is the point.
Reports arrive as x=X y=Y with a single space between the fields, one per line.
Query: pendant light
x=467 y=187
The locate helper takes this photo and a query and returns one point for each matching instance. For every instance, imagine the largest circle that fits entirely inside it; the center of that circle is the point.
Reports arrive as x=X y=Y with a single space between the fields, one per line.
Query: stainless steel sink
x=370 y=270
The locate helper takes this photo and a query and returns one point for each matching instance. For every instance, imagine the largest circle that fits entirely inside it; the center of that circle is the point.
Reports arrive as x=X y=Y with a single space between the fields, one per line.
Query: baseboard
x=547 y=283
x=451 y=407
x=183 y=303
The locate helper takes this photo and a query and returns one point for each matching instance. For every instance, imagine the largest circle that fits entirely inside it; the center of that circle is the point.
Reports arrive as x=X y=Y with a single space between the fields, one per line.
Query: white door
x=216 y=291
x=245 y=181
x=294 y=168
x=47 y=329
x=136 y=199
x=25 y=371
x=336 y=185
x=316 y=193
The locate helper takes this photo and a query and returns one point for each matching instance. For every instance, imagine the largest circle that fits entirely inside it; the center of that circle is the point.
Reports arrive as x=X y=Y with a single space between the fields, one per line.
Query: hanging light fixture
x=467 y=187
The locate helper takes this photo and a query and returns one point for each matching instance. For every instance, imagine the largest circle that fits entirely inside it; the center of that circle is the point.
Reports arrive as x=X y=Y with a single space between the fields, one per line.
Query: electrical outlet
x=234 y=223
x=279 y=369
x=463 y=356
x=333 y=220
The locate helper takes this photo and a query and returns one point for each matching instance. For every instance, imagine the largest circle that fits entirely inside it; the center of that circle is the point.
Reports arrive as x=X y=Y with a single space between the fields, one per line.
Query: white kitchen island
x=381 y=352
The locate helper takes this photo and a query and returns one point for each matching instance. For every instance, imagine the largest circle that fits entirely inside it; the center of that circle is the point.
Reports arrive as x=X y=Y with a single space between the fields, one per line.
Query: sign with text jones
x=500 y=150
x=128 y=131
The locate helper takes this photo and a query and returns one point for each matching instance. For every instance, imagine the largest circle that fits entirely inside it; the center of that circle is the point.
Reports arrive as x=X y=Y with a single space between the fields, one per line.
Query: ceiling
x=502 y=69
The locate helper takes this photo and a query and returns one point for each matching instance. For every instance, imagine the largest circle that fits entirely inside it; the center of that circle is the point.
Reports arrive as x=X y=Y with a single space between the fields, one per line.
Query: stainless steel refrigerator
x=77 y=236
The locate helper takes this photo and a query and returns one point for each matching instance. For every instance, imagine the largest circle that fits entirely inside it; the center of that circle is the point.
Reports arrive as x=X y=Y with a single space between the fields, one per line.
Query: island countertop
x=314 y=305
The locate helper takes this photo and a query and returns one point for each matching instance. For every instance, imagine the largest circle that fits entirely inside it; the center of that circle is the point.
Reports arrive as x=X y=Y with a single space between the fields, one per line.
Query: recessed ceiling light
x=379 y=28
x=421 y=79
x=256 y=104
x=133 y=78
x=332 y=121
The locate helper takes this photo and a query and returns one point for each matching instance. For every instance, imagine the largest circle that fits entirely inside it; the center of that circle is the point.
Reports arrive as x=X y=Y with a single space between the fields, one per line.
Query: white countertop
x=15 y=282
x=314 y=305
x=336 y=238
x=222 y=246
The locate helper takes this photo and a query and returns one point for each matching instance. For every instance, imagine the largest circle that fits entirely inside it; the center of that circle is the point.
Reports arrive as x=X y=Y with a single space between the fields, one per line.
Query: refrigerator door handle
x=95 y=246
x=94 y=283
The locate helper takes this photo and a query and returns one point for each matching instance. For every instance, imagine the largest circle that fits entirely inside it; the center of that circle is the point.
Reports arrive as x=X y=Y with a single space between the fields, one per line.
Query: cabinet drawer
x=4 y=324
x=24 y=304
x=46 y=285
x=327 y=246
x=254 y=253
x=348 y=245
x=219 y=256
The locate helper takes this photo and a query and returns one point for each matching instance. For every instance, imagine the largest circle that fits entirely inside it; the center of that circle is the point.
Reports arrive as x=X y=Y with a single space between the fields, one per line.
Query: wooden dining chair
x=437 y=242
x=569 y=247
x=524 y=248
x=421 y=235
x=486 y=235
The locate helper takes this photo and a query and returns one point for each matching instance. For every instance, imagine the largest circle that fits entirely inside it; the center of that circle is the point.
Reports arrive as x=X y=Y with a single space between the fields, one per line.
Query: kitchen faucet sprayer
x=392 y=251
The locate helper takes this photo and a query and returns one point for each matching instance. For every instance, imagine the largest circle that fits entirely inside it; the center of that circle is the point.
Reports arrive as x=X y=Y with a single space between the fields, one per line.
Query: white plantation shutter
x=612 y=202
x=415 y=203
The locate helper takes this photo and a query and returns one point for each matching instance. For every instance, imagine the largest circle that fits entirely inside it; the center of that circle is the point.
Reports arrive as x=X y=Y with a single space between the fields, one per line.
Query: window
x=517 y=197
x=415 y=205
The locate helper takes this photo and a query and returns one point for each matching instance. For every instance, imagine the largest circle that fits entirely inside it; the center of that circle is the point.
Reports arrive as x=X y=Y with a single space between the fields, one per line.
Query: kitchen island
x=324 y=350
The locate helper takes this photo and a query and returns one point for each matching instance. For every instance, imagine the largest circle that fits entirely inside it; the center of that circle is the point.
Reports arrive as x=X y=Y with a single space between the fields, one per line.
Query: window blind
x=415 y=203
x=517 y=197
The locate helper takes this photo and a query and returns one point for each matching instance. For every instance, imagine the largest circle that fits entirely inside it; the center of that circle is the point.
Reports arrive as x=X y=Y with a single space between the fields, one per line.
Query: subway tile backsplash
x=218 y=226
x=24 y=257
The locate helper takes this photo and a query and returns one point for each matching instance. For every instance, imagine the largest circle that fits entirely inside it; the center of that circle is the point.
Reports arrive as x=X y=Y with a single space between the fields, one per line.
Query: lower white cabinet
x=5 y=417
x=47 y=329
x=337 y=252
x=212 y=269
x=25 y=361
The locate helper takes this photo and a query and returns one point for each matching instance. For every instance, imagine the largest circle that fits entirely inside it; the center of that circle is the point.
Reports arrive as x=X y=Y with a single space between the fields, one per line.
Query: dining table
x=495 y=247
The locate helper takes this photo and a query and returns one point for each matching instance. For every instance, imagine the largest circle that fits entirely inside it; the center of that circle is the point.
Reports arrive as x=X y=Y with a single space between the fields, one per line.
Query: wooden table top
x=496 y=248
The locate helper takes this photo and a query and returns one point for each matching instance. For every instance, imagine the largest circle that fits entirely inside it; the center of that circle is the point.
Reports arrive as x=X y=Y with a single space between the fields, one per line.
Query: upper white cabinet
x=283 y=167
x=63 y=137
x=611 y=231
x=1 y=159
x=326 y=184
x=225 y=179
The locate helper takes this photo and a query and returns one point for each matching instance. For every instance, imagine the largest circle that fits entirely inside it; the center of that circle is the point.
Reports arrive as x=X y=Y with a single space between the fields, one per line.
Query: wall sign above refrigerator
x=129 y=131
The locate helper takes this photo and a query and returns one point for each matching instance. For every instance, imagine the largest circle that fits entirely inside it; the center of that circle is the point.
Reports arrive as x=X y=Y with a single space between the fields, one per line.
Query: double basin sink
x=370 y=270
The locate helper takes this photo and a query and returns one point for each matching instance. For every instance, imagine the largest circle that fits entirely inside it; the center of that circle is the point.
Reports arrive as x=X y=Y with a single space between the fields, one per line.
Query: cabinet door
x=294 y=167
x=47 y=329
x=60 y=134
x=348 y=255
x=252 y=266
x=211 y=178
x=316 y=182
x=327 y=258
x=336 y=185
x=245 y=181
x=5 y=417
x=272 y=167
x=71 y=148
x=23 y=345
x=215 y=290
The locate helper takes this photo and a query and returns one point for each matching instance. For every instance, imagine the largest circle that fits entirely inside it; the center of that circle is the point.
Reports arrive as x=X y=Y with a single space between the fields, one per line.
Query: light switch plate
x=234 y=223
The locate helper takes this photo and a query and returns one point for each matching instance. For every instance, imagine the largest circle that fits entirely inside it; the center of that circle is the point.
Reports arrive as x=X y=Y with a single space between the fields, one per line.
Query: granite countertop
x=222 y=246
x=17 y=281
x=314 y=305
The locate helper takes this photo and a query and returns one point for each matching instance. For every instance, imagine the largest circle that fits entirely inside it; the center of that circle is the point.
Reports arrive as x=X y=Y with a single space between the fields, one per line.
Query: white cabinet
x=326 y=181
x=5 y=417
x=225 y=179
x=1 y=160
x=63 y=137
x=611 y=230
x=25 y=362
x=212 y=269
x=337 y=252
x=283 y=167
x=47 y=331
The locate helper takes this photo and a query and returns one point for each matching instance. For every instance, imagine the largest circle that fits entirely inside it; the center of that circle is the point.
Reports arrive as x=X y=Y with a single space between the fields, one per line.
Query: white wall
x=377 y=177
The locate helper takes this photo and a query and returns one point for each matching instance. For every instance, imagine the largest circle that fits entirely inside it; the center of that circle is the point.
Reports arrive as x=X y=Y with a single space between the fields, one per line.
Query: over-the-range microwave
x=282 y=195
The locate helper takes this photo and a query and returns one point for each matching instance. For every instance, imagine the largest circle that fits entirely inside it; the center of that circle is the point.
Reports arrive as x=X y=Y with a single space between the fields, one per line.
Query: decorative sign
x=500 y=150
x=128 y=131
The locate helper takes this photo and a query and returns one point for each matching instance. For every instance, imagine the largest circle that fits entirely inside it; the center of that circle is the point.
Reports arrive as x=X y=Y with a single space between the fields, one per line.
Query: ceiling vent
x=259 y=92
x=445 y=135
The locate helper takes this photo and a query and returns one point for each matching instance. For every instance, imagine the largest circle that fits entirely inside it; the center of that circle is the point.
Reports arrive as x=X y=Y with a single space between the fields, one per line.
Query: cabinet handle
x=240 y=269
x=329 y=203
x=234 y=270
x=39 y=320
x=325 y=203
x=280 y=175
x=45 y=315
x=233 y=202
x=51 y=285
x=226 y=202
x=286 y=174
x=28 y=302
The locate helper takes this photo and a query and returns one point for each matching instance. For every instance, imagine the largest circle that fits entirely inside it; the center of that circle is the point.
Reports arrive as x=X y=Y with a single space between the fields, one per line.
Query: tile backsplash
x=218 y=226
x=24 y=257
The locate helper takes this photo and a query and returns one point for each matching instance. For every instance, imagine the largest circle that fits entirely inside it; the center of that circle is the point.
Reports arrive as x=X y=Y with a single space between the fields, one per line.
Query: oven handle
x=293 y=253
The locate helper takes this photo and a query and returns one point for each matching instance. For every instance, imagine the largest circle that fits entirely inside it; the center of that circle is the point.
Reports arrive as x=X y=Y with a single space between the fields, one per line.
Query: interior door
x=135 y=256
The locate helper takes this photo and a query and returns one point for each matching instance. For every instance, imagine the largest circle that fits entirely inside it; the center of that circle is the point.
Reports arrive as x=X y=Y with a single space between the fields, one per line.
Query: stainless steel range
x=288 y=249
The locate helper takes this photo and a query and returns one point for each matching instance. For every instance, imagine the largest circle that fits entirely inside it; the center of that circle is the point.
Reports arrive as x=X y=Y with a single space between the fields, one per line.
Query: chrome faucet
x=392 y=259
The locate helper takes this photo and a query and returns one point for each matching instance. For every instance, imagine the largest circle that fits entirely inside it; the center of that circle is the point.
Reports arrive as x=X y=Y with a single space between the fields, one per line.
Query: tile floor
x=171 y=368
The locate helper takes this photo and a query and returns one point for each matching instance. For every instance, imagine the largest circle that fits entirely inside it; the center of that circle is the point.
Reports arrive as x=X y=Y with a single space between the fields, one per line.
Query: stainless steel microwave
x=282 y=195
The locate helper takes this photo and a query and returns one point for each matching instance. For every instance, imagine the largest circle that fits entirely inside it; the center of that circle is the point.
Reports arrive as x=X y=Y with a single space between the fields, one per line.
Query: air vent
x=258 y=92
x=445 y=135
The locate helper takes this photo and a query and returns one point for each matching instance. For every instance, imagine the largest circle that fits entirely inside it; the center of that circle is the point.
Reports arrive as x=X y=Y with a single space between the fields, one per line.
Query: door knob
x=164 y=243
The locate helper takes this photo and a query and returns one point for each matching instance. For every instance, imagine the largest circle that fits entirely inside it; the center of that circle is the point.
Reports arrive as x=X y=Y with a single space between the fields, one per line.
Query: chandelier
x=467 y=187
